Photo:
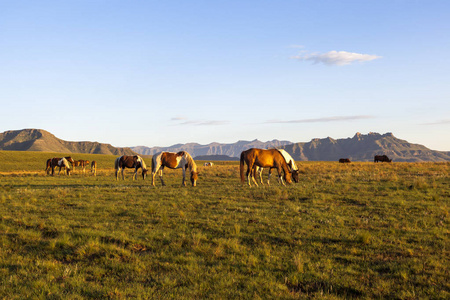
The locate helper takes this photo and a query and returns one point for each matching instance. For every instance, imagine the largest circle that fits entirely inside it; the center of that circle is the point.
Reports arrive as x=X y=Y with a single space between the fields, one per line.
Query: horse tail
x=116 y=163
x=153 y=163
x=241 y=166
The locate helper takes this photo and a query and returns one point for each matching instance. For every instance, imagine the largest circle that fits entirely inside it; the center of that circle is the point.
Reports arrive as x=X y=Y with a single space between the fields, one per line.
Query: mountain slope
x=233 y=150
x=41 y=140
x=358 y=148
x=364 y=148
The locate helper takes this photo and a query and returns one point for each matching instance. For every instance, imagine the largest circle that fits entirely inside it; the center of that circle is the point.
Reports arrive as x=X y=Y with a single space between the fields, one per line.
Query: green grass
x=361 y=230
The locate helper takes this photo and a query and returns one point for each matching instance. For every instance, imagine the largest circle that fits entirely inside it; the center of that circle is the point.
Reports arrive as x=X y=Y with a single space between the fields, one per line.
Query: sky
x=158 y=73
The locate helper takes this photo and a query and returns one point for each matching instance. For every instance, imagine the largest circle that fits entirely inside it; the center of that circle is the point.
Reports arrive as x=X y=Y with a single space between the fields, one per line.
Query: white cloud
x=441 y=122
x=186 y=121
x=322 y=120
x=337 y=58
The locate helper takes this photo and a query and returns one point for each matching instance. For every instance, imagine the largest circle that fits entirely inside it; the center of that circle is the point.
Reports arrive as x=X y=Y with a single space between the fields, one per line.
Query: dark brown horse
x=271 y=158
x=382 y=158
x=94 y=167
x=130 y=162
x=173 y=160
x=344 y=160
x=58 y=162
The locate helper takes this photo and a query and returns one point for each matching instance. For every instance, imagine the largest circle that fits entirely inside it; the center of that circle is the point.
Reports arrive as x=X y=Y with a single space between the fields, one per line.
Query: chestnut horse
x=80 y=163
x=173 y=160
x=58 y=162
x=271 y=158
x=289 y=161
x=94 y=167
x=135 y=162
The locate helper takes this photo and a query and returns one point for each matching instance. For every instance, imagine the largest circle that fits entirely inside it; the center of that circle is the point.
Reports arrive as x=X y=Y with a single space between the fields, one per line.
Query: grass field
x=359 y=230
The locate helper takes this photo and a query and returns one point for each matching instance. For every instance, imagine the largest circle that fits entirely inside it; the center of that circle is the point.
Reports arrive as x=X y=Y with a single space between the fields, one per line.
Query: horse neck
x=191 y=163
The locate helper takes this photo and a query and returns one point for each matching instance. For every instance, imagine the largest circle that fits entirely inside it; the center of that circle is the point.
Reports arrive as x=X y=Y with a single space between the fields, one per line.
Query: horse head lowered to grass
x=130 y=162
x=173 y=160
x=262 y=158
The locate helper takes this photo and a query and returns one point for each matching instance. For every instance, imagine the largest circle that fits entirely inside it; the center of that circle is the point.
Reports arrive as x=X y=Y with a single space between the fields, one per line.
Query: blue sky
x=156 y=73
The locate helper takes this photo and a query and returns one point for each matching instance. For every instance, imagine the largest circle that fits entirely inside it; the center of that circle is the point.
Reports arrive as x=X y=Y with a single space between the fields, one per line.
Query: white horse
x=208 y=164
x=173 y=160
x=289 y=161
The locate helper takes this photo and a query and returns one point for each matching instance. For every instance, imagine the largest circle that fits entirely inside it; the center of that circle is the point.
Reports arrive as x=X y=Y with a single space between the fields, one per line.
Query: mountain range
x=41 y=140
x=361 y=147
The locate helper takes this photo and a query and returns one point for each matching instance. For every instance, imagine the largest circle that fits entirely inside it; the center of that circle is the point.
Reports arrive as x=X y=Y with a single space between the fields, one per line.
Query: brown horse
x=172 y=160
x=135 y=162
x=94 y=167
x=290 y=163
x=58 y=162
x=271 y=158
x=80 y=163
x=48 y=166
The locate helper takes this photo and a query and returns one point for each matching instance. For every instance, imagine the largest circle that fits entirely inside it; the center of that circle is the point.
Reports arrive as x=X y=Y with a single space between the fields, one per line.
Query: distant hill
x=363 y=148
x=232 y=150
x=41 y=140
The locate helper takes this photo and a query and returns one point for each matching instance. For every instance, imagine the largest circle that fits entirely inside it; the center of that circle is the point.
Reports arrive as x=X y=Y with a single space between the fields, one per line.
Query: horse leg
x=249 y=168
x=268 y=178
x=259 y=171
x=280 y=176
x=183 y=182
x=252 y=175
x=161 y=177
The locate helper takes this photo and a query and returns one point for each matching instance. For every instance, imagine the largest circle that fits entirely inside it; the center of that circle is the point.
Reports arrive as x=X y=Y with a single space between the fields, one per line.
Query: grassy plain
x=361 y=230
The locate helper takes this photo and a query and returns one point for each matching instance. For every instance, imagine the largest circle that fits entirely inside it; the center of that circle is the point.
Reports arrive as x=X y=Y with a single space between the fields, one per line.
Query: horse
x=58 y=162
x=94 y=167
x=382 y=158
x=48 y=166
x=208 y=164
x=81 y=163
x=344 y=160
x=173 y=160
x=289 y=161
x=135 y=162
x=271 y=158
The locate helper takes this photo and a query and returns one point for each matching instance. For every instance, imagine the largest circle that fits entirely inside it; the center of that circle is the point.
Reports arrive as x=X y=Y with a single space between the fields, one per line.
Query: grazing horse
x=58 y=162
x=49 y=164
x=271 y=158
x=208 y=164
x=289 y=161
x=173 y=160
x=135 y=162
x=94 y=167
x=382 y=158
x=344 y=160
x=81 y=163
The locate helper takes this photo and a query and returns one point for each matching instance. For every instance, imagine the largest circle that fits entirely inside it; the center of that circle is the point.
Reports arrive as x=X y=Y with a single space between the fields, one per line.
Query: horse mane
x=191 y=163
x=288 y=158
x=141 y=160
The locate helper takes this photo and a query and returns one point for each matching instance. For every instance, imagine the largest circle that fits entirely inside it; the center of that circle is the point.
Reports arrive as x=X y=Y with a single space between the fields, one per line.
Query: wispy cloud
x=186 y=121
x=322 y=120
x=336 y=58
x=178 y=118
x=441 y=122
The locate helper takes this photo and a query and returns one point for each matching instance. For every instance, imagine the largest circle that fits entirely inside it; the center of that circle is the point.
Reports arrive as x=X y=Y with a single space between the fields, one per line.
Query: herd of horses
x=256 y=160
x=63 y=163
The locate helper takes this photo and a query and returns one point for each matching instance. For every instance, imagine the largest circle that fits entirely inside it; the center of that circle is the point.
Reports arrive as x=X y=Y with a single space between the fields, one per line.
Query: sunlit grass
x=344 y=231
